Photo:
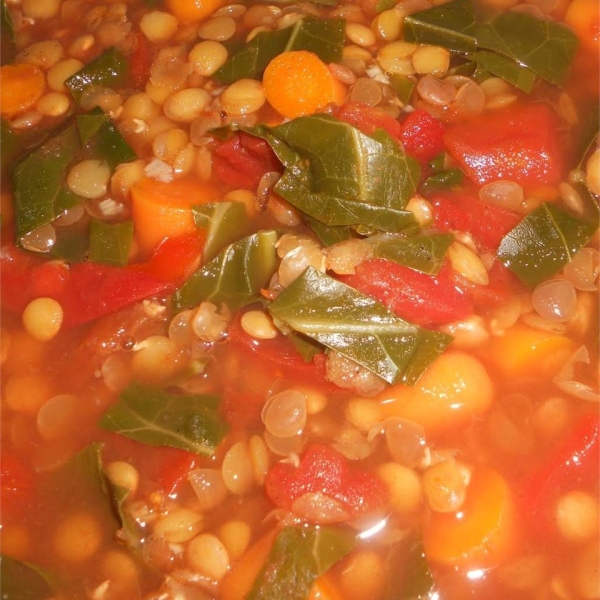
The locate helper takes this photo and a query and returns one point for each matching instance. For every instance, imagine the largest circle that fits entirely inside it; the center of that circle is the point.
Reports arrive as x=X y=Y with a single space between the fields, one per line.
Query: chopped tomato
x=488 y=224
x=369 y=119
x=140 y=60
x=174 y=467
x=243 y=159
x=502 y=284
x=519 y=144
x=322 y=478
x=422 y=135
x=16 y=484
x=417 y=297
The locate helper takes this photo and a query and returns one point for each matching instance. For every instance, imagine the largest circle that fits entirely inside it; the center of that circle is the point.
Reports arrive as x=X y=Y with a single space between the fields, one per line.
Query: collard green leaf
x=107 y=70
x=299 y=555
x=7 y=36
x=72 y=242
x=543 y=243
x=234 y=277
x=544 y=46
x=23 y=581
x=443 y=180
x=383 y=5
x=110 y=243
x=224 y=222
x=354 y=325
x=415 y=581
x=329 y=235
x=450 y=25
x=506 y=68
x=403 y=86
x=339 y=176
x=38 y=181
x=424 y=253
x=157 y=418
x=324 y=37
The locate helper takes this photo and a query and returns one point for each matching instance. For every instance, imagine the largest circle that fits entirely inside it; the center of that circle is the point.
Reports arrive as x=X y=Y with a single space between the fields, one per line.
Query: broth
x=299 y=300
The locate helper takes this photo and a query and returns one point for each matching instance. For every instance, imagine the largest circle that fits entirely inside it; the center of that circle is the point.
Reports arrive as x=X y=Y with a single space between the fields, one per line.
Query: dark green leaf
x=299 y=555
x=442 y=181
x=107 y=70
x=339 y=176
x=235 y=276
x=72 y=242
x=307 y=347
x=543 y=243
x=11 y=147
x=413 y=579
x=544 y=46
x=7 y=36
x=354 y=325
x=424 y=253
x=506 y=68
x=102 y=140
x=323 y=37
x=224 y=222
x=157 y=418
x=450 y=25
x=590 y=118
x=385 y=5
x=110 y=243
x=38 y=181
x=22 y=581
x=403 y=86
x=329 y=235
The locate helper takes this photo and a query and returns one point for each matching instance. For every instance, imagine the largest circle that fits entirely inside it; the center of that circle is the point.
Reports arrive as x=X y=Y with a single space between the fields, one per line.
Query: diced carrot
x=584 y=17
x=298 y=83
x=455 y=388
x=164 y=210
x=523 y=349
x=482 y=533
x=239 y=580
x=324 y=589
x=192 y=11
x=21 y=86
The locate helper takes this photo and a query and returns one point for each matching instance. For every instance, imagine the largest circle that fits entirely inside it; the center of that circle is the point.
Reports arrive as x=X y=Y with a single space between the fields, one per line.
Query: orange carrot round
x=192 y=11
x=21 y=86
x=164 y=210
x=482 y=533
x=298 y=83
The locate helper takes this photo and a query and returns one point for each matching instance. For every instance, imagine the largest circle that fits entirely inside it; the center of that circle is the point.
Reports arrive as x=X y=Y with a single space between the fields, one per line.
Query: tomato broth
x=299 y=300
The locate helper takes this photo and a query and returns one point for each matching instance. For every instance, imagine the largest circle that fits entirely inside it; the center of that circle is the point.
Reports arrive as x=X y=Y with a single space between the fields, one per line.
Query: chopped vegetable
x=21 y=86
x=18 y=576
x=110 y=244
x=422 y=135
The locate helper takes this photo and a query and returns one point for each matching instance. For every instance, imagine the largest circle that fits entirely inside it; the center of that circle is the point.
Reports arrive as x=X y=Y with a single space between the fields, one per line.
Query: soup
x=299 y=300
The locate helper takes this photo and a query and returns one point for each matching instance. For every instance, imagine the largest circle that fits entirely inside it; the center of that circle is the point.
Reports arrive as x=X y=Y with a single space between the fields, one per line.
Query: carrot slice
x=482 y=533
x=298 y=83
x=192 y=11
x=21 y=86
x=164 y=210
x=584 y=17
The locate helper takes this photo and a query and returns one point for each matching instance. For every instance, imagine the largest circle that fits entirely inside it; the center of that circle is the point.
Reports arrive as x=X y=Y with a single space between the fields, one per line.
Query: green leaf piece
x=329 y=235
x=339 y=176
x=357 y=326
x=444 y=180
x=424 y=253
x=234 y=277
x=23 y=581
x=110 y=243
x=544 y=46
x=383 y=5
x=324 y=37
x=408 y=559
x=110 y=69
x=224 y=223
x=451 y=25
x=154 y=417
x=8 y=47
x=39 y=191
x=505 y=68
x=299 y=555
x=403 y=86
x=543 y=243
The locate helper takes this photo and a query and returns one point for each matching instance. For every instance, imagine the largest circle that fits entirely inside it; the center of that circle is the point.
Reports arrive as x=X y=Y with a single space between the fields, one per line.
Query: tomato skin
x=417 y=297
x=460 y=211
x=422 y=135
x=243 y=159
x=519 y=144
x=17 y=485
x=369 y=119
x=325 y=471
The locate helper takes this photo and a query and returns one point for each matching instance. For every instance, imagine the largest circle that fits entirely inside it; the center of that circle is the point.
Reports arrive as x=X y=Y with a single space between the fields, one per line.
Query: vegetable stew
x=300 y=300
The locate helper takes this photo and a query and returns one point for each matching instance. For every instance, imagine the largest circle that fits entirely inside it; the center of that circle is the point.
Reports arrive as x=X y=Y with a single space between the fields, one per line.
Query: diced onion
x=208 y=486
x=564 y=380
x=583 y=270
x=555 y=300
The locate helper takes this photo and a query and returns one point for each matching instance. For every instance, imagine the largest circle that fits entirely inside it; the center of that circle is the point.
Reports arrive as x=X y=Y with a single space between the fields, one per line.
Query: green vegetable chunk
x=339 y=176
x=298 y=557
x=8 y=47
x=542 y=45
x=23 y=581
x=355 y=325
x=110 y=243
x=157 y=418
x=110 y=69
x=451 y=25
x=543 y=243
x=507 y=69
x=235 y=276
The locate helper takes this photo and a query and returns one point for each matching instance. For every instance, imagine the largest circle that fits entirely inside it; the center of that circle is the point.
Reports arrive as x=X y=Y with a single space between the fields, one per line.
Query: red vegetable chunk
x=369 y=119
x=422 y=135
x=519 y=144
